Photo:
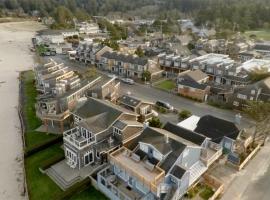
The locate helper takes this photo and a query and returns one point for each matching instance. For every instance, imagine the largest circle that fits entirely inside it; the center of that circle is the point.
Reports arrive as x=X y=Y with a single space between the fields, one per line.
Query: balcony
x=211 y=153
x=150 y=176
x=51 y=114
x=74 y=137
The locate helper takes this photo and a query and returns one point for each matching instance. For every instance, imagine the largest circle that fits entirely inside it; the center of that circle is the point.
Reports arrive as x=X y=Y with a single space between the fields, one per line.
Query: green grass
x=260 y=33
x=40 y=186
x=30 y=94
x=167 y=85
x=89 y=194
x=206 y=193
x=33 y=138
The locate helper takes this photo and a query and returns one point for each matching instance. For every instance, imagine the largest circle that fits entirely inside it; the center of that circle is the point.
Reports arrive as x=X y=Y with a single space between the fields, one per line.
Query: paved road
x=253 y=182
x=148 y=93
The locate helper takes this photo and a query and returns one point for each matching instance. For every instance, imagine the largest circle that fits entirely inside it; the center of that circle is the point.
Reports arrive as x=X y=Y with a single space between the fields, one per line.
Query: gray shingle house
x=100 y=127
x=159 y=164
x=123 y=65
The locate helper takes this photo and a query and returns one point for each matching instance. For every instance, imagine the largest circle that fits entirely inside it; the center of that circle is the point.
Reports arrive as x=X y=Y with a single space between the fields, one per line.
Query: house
x=248 y=55
x=143 y=109
x=192 y=84
x=100 y=127
x=87 y=28
x=89 y=52
x=173 y=63
x=107 y=88
x=255 y=64
x=263 y=48
x=158 y=164
x=123 y=65
x=61 y=89
x=218 y=130
x=259 y=91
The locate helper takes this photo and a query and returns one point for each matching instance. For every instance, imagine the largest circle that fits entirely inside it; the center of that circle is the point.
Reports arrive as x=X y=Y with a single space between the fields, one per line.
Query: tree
x=184 y=114
x=260 y=112
x=146 y=76
x=111 y=43
x=155 y=122
x=139 y=52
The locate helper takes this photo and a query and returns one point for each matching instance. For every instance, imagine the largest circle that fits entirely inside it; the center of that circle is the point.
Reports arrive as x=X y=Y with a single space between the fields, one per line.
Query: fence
x=216 y=184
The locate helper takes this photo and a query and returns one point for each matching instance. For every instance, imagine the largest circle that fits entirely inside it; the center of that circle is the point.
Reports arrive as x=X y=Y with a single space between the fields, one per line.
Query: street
x=253 y=181
x=148 y=93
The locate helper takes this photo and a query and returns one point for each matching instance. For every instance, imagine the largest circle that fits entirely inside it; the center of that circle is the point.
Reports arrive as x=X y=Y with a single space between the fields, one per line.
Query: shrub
x=43 y=145
x=51 y=161
x=184 y=114
x=76 y=188
x=155 y=122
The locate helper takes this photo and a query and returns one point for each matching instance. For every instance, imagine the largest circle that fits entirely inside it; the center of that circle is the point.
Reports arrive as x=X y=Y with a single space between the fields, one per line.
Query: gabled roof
x=216 y=128
x=129 y=101
x=125 y=58
x=185 y=133
x=196 y=75
x=187 y=81
x=178 y=171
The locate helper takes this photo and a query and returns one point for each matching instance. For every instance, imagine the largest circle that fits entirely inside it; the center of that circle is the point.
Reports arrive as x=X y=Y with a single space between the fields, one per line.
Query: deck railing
x=151 y=185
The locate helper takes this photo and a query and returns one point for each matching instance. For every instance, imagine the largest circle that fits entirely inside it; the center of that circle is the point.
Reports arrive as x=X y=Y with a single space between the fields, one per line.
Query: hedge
x=76 y=188
x=46 y=164
x=43 y=145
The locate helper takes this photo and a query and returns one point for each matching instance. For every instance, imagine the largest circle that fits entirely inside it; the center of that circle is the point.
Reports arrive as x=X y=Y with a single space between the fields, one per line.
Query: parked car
x=128 y=81
x=164 y=105
x=113 y=76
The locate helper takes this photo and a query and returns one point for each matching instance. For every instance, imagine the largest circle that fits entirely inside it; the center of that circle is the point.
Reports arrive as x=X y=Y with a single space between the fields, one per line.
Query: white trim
x=87 y=154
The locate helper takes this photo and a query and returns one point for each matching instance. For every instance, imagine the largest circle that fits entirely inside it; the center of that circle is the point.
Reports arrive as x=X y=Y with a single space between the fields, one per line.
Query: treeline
x=238 y=15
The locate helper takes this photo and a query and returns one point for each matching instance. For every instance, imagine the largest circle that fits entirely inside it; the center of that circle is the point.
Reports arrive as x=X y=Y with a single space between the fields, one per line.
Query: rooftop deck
x=149 y=176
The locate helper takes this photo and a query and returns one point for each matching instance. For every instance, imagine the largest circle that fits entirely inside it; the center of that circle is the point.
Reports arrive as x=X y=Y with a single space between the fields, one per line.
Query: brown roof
x=196 y=75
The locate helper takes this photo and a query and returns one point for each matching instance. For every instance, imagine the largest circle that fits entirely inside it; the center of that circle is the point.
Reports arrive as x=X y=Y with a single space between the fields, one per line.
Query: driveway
x=253 y=181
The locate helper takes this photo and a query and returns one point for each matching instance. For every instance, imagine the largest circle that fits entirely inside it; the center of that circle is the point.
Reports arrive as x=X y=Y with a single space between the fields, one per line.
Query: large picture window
x=88 y=158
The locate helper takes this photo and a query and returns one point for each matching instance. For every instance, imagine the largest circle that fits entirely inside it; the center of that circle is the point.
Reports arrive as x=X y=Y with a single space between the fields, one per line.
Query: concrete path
x=15 y=56
x=253 y=182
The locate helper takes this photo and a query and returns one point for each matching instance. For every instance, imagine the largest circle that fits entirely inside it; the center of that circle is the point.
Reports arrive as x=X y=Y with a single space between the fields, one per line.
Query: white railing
x=73 y=136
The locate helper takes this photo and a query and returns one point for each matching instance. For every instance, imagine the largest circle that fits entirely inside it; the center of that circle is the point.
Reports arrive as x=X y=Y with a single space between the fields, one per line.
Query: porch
x=211 y=153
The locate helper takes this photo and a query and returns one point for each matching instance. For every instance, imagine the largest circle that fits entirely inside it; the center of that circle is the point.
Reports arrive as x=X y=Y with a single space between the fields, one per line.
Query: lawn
x=89 y=194
x=261 y=33
x=166 y=85
x=32 y=122
x=40 y=186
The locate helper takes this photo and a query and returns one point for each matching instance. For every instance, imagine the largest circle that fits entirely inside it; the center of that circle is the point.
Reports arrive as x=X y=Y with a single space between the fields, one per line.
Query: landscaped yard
x=200 y=191
x=40 y=186
x=89 y=194
x=166 y=85
x=261 y=33
x=32 y=137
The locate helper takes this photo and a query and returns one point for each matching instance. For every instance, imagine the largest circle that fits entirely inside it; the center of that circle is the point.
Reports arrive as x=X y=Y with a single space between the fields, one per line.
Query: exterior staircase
x=196 y=171
x=61 y=182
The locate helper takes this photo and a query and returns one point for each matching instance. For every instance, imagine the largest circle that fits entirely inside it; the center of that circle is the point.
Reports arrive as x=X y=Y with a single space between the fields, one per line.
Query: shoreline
x=15 y=56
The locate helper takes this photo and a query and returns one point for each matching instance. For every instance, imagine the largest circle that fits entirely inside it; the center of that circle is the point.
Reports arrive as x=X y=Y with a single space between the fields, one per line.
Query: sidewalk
x=253 y=181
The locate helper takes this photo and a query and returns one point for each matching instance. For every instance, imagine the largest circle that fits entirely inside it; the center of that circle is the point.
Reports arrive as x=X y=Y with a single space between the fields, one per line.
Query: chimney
x=166 y=138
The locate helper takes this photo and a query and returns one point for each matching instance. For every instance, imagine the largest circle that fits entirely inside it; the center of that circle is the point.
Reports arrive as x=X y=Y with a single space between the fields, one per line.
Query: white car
x=128 y=81
x=112 y=76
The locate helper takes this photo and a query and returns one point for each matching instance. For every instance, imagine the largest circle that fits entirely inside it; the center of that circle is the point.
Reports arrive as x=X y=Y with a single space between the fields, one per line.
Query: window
x=88 y=158
x=236 y=103
x=241 y=96
x=70 y=155
x=116 y=131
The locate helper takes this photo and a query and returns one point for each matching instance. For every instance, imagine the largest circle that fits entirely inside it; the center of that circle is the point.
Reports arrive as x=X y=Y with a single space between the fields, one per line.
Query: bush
x=146 y=76
x=184 y=114
x=206 y=193
x=161 y=109
x=42 y=146
x=155 y=122
x=77 y=188
x=51 y=161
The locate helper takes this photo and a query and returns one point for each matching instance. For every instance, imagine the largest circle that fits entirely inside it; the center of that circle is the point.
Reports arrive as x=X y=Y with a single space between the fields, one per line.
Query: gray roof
x=178 y=171
x=196 y=75
x=185 y=133
x=172 y=148
x=187 y=81
x=129 y=101
x=125 y=58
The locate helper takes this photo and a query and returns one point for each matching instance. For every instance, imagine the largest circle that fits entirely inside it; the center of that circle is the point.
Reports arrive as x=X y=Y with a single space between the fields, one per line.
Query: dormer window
x=116 y=131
